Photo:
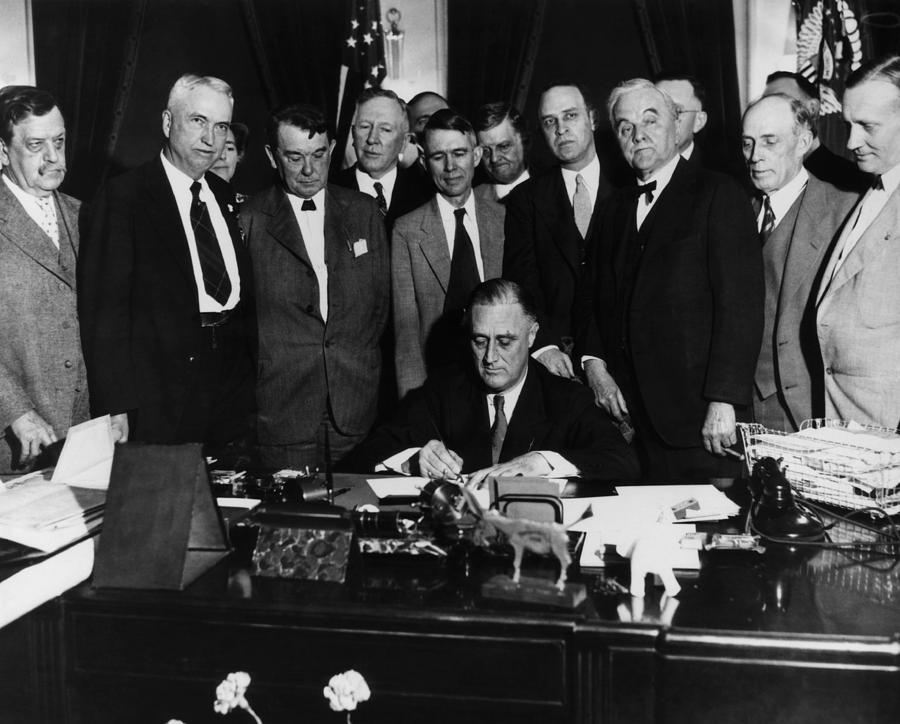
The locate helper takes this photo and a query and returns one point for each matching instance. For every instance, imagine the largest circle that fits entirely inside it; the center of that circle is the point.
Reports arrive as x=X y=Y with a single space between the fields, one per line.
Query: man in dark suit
x=322 y=275
x=441 y=251
x=502 y=135
x=820 y=160
x=165 y=287
x=504 y=414
x=797 y=219
x=551 y=220
x=380 y=131
x=677 y=294
x=43 y=388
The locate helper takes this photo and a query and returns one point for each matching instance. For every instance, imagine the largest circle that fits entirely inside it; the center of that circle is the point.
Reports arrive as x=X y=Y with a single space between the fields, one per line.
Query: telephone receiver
x=774 y=511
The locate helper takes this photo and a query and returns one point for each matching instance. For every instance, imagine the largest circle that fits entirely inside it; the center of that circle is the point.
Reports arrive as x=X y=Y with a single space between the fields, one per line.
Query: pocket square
x=360 y=247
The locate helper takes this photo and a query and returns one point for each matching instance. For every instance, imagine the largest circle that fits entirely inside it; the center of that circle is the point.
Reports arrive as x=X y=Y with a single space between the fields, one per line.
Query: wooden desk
x=774 y=638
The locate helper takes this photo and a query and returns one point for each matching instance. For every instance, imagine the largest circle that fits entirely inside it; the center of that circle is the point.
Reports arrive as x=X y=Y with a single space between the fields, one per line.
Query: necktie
x=382 y=202
x=463 y=269
x=308 y=205
x=48 y=218
x=878 y=184
x=768 y=221
x=498 y=430
x=646 y=190
x=212 y=264
x=581 y=204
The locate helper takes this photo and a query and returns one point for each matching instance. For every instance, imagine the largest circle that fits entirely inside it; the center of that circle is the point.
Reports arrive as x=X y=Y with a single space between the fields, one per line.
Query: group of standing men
x=681 y=306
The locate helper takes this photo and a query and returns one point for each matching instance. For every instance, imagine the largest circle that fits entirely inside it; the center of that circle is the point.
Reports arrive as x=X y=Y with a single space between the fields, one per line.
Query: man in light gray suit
x=797 y=217
x=858 y=314
x=441 y=251
x=43 y=389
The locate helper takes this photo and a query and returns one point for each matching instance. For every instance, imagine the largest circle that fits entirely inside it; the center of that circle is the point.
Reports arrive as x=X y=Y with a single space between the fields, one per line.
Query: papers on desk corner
x=87 y=455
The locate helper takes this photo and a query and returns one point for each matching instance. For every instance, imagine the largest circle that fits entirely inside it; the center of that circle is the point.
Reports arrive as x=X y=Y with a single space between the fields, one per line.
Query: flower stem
x=253 y=714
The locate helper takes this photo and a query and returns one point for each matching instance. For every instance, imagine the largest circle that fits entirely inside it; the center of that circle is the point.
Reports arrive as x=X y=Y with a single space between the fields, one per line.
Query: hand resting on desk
x=530 y=464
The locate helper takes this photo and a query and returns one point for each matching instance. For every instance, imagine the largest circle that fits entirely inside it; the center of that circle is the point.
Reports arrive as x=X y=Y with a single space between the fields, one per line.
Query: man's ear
x=166 y=122
x=477 y=152
x=532 y=333
x=804 y=142
x=4 y=154
x=271 y=155
x=700 y=119
x=592 y=115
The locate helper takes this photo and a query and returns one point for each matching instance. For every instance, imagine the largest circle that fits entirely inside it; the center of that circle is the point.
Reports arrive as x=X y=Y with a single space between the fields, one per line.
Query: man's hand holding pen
x=436 y=461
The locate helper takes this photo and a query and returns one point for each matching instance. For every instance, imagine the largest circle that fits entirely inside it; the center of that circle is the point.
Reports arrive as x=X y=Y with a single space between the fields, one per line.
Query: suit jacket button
x=67 y=364
x=828 y=370
x=309 y=308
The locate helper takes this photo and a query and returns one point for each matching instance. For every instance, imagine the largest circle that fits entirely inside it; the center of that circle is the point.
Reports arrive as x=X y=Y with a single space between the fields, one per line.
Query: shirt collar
x=501 y=190
x=891 y=179
x=590 y=174
x=510 y=396
x=688 y=152
x=782 y=199
x=318 y=199
x=25 y=198
x=178 y=179
x=662 y=176
x=446 y=209
x=366 y=183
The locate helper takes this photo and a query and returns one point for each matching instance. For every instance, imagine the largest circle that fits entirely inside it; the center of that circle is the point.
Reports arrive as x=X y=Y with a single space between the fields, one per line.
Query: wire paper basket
x=823 y=462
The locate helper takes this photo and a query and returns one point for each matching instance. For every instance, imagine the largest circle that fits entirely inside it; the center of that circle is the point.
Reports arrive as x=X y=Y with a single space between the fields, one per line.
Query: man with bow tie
x=43 y=389
x=797 y=217
x=673 y=305
x=858 y=299
x=322 y=272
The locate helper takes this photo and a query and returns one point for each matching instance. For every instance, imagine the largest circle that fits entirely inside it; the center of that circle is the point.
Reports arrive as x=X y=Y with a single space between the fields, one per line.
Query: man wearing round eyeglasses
x=164 y=289
x=689 y=96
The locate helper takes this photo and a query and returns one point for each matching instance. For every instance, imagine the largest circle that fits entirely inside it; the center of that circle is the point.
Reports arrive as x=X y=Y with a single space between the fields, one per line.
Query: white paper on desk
x=596 y=540
x=714 y=504
x=406 y=486
x=29 y=588
x=87 y=455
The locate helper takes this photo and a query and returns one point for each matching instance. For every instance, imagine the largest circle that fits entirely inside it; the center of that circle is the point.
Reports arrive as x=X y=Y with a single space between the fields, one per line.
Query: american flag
x=363 y=64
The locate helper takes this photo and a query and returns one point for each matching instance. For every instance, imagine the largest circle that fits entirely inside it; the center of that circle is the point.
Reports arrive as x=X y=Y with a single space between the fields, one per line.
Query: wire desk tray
x=838 y=462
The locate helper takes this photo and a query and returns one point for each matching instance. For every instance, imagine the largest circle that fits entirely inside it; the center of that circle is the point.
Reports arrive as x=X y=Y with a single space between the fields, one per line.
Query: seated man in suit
x=380 y=131
x=320 y=263
x=797 y=218
x=688 y=95
x=441 y=251
x=502 y=135
x=820 y=160
x=504 y=414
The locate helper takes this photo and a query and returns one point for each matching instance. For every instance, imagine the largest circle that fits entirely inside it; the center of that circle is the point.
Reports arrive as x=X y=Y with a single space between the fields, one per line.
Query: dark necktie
x=768 y=221
x=308 y=205
x=382 y=202
x=463 y=269
x=212 y=264
x=878 y=184
x=498 y=430
x=646 y=190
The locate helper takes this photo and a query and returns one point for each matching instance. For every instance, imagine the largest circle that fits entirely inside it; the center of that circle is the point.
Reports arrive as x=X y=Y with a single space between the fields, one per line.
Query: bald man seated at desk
x=506 y=416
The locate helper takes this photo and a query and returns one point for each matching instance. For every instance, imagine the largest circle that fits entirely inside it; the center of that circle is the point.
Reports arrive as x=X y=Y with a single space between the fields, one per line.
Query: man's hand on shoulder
x=529 y=464
x=606 y=392
x=719 y=428
x=557 y=362
x=33 y=433
x=119 y=424
x=436 y=461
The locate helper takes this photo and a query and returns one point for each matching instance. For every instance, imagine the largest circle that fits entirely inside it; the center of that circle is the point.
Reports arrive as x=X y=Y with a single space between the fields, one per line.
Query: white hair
x=186 y=83
x=629 y=86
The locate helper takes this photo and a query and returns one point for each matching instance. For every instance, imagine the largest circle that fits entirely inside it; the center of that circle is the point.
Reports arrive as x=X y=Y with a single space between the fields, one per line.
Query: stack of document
x=49 y=513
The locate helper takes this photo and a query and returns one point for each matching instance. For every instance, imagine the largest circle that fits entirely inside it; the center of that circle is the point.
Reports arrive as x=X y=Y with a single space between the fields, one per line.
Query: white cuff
x=395 y=462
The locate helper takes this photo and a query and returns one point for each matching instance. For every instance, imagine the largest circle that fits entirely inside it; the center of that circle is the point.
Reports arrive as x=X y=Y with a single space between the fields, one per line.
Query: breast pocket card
x=360 y=247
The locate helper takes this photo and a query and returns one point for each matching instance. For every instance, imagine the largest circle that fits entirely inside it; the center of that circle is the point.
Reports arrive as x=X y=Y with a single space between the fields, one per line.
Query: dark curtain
x=85 y=52
x=490 y=48
x=297 y=48
x=696 y=37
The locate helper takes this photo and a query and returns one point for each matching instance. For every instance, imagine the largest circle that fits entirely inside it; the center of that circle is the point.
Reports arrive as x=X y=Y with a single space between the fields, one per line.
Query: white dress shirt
x=448 y=219
x=591 y=176
x=782 y=199
x=180 y=183
x=662 y=177
x=312 y=227
x=501 y=191
x=688 y=152
x=32 y=206
x=367 y=184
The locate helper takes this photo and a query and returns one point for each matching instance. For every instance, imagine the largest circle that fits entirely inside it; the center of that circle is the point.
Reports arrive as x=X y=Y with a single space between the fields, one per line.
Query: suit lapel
x=434 y=246
x=338 y=243
x=490 y=235
x=22 y=231
x=560 y=220
x=162 y=212
x=805 y=246
x=870 y=245
x=283 y=226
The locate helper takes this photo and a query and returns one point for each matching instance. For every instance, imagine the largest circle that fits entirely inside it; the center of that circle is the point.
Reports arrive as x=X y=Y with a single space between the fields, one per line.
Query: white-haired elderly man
x=673 y=309
x=164 y=287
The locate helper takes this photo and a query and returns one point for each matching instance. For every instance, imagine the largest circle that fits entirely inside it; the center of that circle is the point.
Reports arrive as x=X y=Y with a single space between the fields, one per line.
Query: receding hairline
x=632 y=86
